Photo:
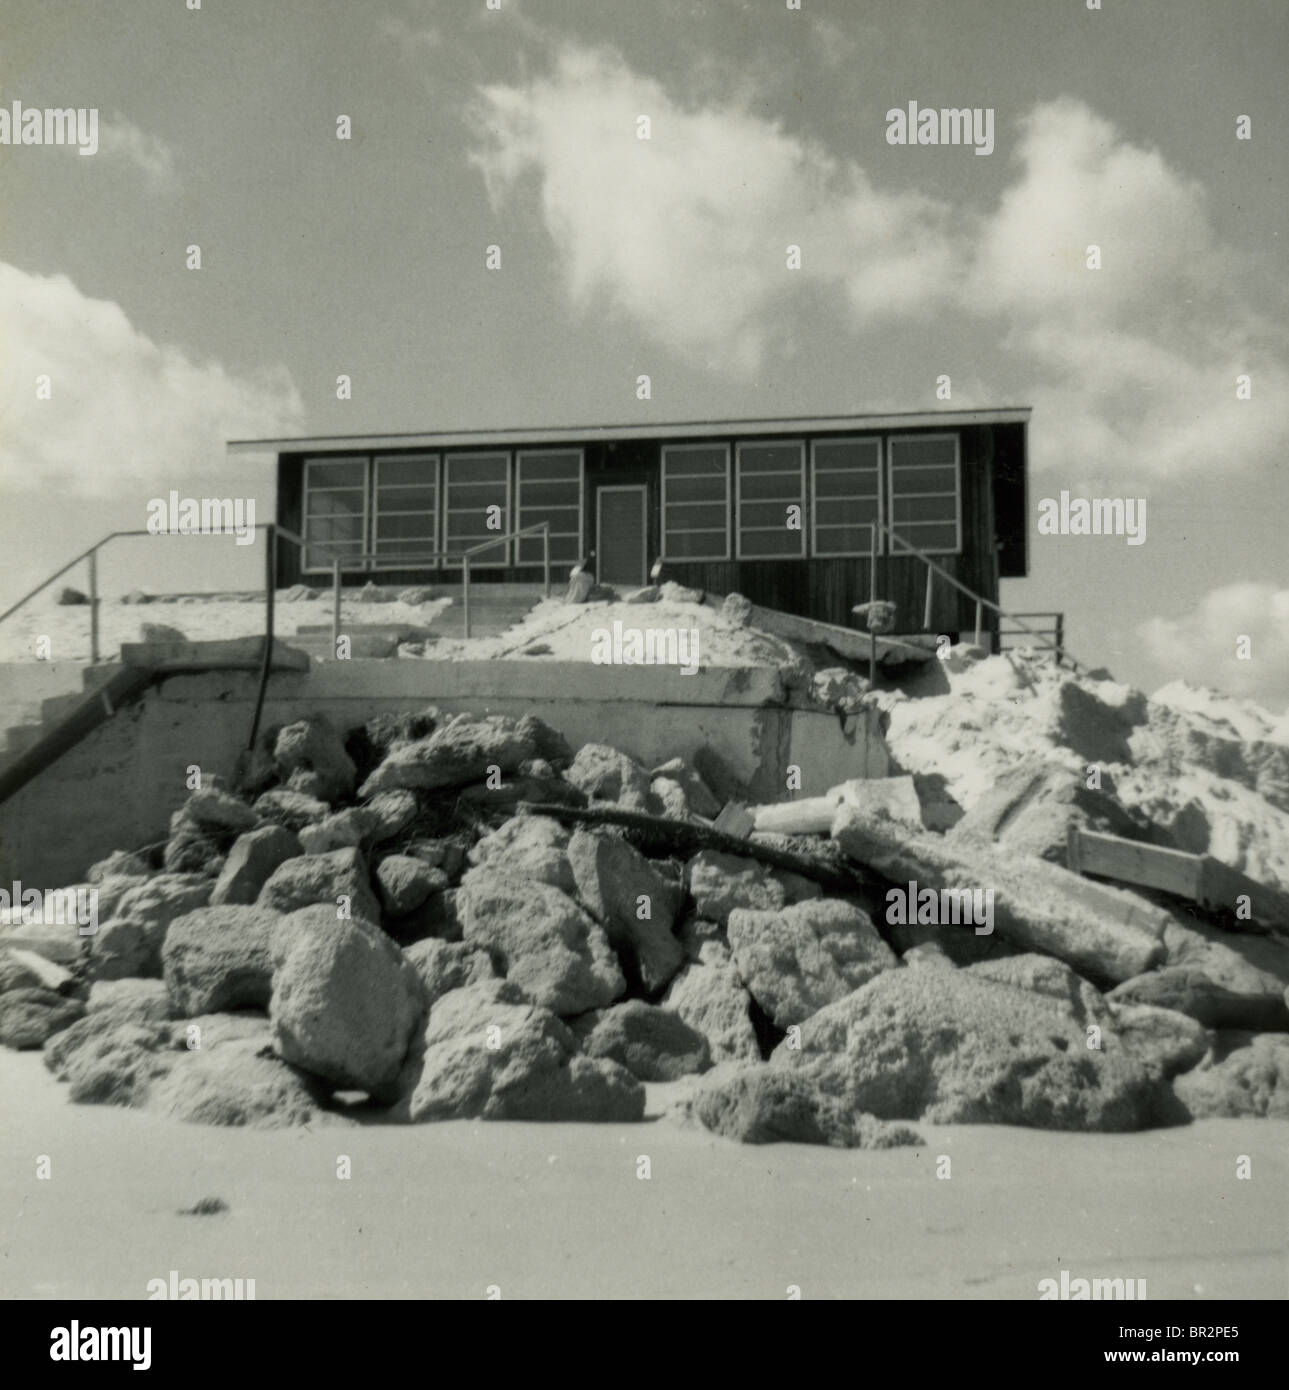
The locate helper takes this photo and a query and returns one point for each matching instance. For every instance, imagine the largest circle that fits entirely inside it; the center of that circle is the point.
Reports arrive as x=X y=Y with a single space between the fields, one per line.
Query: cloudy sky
x=518 y=126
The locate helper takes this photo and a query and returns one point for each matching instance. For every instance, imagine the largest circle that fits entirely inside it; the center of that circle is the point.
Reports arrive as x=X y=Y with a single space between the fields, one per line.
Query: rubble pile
x=382 y=923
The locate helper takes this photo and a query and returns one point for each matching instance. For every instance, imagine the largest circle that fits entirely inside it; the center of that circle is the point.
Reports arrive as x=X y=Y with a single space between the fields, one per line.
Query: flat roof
x=580 y=434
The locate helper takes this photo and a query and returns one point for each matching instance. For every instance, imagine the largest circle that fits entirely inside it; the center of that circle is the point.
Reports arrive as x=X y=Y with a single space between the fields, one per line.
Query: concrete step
x=19 y=737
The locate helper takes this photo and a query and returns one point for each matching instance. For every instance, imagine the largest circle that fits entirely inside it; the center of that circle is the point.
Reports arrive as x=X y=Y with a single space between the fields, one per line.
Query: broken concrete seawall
x=121 y=784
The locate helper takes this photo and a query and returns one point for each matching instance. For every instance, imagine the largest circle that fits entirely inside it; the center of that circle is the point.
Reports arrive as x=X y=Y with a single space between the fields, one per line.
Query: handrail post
x=979 y=611
x=465 y=591
x=1060 y=637
x=93 y=607
x=335 y=604
x=872 y=561
x=546 y=557
x=926 y=613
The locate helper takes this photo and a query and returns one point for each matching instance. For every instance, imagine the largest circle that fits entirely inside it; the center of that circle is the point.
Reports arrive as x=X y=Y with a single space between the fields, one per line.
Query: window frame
x=436 y=533
x=457 y=562
x=517 y=465
x=361 y=565
x=693 y=447
x=801 y=500
x=895 y=526
x=879 y=538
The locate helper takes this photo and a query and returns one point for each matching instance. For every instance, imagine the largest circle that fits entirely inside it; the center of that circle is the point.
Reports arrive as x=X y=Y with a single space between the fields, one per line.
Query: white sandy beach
x=557 y=1211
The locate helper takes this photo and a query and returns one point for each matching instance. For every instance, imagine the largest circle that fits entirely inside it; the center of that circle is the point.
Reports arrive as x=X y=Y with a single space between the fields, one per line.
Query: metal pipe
x=270 y=576
x=926 y=612
x=872 y=561
x=465 y=590
x=979 y=610
x=93 y=607
x=546 y=557
x=335 y=605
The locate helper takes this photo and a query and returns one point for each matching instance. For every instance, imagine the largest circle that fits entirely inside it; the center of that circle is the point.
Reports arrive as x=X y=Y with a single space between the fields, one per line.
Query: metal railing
x=1055 y=631
x=1056 y=646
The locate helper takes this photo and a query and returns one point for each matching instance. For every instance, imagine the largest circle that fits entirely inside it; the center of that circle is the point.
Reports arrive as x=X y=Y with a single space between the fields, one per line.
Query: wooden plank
x=1149 y=866
x=1222 y=887
x=845 y=641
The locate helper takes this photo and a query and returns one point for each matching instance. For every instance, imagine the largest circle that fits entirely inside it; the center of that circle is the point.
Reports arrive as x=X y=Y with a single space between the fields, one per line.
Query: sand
x=557 y=1211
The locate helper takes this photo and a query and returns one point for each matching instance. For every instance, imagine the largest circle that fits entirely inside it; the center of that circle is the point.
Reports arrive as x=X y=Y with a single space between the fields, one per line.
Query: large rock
x=447 y=965
x=120 y=863
x=16 y=973
x=1046 y=975
x=528 y=847
x=129 y=943
x=1165 y=1042
x=29 y=1017
x=710 y=997
x=112 y=1063
x=796 y=959
x=460 y=751
x=1031 y=809
x=1102 y=932
x=719 y=883
x=955 y=1047
x=757 y=1104
x=1097 y=721
x=291 y=809
x=488 y=1054
x=192 y=848
x=345 y=829
x=345 y=1001
x=389 y=813
x=604 y=774
x=1192 y=992
x=1252 y=967
x=217 y=810
x=313 y=746
x=698 y=796
x=250 y=861
x=129 y=1001
x=322 y=878
x=1245 y=1074
x=653 y=1044
x=541 y=940
x=237 y=1084
x=636 y=905
x=219 y=958
x=404 y=883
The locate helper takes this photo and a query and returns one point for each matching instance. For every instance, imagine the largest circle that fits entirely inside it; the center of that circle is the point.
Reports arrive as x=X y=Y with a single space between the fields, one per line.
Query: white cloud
x=123 y=411
x=119 y=138
x=1131 y=368
x=687 y=232
x=1201 y=647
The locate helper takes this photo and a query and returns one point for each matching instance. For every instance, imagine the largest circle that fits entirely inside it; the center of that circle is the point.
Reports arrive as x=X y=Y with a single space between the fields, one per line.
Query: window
x=846 y=484
x=771 y=478
x=472 y=484
x=696 y=502
x=549 y=487
x=407 y=510
x=925 y=492
x=335 y=511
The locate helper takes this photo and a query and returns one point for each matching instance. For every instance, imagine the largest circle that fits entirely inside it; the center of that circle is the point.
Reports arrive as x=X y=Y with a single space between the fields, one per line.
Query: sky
x=517 y=126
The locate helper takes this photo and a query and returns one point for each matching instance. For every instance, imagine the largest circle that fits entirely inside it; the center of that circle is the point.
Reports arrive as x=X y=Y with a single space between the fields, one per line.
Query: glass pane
x=710 y=489
x=846 y=512
x=770 y=543
x=419 y=468
x=477 y=468
x=334 y=528
x=941 y=450
x=905 y=481
x=335 y=473
x=924 y=509
x=700 y=518
x=685 y=462
x=535 y=468
x=770 y=485
x=396 y=525
x=550 y=494
x=764 y=514
x=769 y=458
x=335 y=503
x=857 y=454
x=937 y=537
x=854 y=484
x=695 y=545
x=563 y=549
x=406 y=499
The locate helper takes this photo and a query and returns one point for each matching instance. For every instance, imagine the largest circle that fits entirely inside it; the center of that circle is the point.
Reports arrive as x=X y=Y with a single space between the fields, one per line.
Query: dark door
x=620 y=535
